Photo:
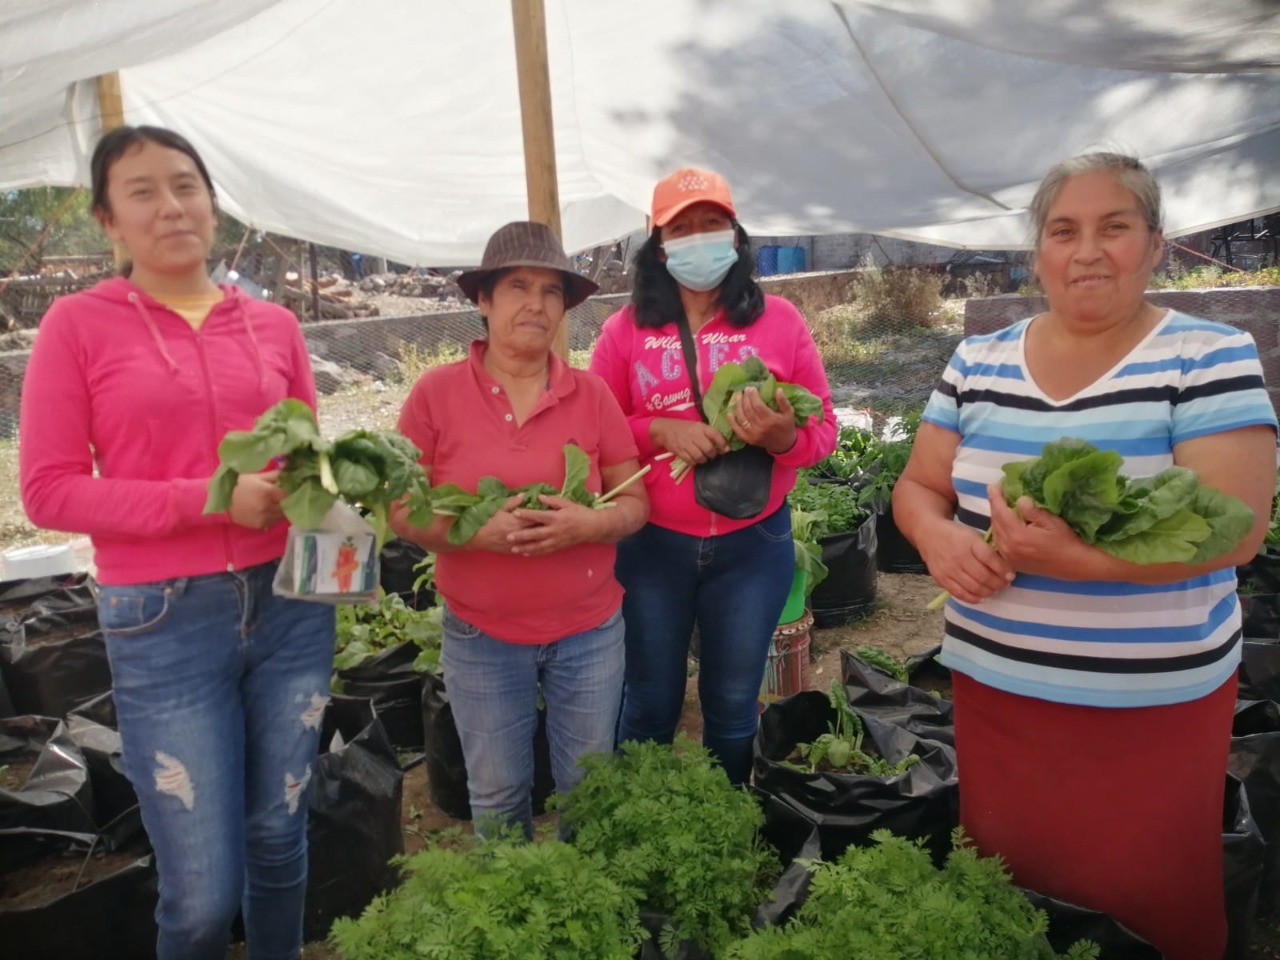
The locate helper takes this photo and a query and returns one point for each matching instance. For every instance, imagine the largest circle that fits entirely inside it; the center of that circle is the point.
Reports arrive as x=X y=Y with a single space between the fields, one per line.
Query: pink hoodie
x=121 y=383
x=645 y=369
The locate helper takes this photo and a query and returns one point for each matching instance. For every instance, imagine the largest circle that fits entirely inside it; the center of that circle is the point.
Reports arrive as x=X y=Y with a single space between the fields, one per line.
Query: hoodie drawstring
x=253 y=339
x=155 y=331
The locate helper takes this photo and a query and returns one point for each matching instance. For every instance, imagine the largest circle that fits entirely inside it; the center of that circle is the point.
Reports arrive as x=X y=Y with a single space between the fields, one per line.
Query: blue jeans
x=220 y=688
x=493 y=688
x=733 y=587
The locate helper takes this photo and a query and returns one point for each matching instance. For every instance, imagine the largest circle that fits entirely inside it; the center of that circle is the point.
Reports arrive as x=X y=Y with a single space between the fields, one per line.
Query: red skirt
x=1118 y=810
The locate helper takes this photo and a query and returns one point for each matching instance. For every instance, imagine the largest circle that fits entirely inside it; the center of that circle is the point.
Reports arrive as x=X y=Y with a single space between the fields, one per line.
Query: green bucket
x=794 y=608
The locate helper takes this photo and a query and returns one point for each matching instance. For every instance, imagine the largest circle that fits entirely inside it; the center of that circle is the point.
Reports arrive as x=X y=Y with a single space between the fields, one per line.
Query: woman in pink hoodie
x=219 y=686
x=694 y=298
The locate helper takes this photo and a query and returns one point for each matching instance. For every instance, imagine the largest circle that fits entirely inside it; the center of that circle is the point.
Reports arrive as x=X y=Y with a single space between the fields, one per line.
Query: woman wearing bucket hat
x=530 y=601
x=694 y=296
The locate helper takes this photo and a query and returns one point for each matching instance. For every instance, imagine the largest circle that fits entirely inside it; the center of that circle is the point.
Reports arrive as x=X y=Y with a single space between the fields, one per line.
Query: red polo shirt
x=462 y=421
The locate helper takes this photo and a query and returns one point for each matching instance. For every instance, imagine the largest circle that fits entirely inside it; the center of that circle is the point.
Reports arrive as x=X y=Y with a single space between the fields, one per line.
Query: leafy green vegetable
x=841 y=746
x=473 y=510
x=1168 y=518
x=365 y=630
x=675 y=834
x=807 y=549
x=888 y=902
x=884 y=662
x=834 y=506
x=871 y=459
x=364 y=468
x=497 y=900
x=731 y=379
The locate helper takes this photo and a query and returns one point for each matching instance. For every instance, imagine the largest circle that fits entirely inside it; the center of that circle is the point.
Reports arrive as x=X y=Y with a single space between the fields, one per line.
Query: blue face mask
x=701 y=261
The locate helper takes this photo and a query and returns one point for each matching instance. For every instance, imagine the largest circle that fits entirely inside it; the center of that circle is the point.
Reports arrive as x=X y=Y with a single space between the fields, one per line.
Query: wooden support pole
x=530 y=22
x=111 y=114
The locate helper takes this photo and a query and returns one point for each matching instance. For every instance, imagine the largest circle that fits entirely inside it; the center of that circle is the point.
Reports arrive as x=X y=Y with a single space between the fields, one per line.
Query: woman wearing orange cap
x=692 y=565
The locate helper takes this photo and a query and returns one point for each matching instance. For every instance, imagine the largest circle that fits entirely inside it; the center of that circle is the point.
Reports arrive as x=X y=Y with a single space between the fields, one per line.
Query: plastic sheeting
x=394 y=128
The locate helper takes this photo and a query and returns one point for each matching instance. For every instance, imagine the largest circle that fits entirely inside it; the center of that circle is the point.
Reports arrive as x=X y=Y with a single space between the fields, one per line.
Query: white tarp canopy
x=393 y=126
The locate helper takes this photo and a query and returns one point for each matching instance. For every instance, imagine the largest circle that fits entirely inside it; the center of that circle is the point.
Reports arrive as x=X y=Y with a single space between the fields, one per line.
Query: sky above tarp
x=393 y=128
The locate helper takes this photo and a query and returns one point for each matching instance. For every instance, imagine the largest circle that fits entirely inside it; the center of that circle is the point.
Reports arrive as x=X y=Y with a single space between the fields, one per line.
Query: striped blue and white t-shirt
x=1106 y=644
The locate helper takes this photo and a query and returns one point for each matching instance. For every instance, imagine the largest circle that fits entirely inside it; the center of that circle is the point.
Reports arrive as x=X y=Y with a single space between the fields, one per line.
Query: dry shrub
x=888 y=298
x=416 y=360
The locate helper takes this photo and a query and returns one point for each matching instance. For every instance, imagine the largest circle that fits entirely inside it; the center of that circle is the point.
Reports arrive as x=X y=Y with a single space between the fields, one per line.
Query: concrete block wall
x=1253 y=309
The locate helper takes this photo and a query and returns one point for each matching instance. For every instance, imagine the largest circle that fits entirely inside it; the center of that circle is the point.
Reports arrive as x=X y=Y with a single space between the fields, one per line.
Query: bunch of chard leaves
x=1170 y=517
x=729 y=381
x=808 y=551
x=364 y=468
x=841 y=746
x=471 y=511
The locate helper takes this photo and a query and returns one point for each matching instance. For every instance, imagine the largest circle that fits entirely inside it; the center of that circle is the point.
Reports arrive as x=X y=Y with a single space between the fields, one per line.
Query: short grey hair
x=1130 y=171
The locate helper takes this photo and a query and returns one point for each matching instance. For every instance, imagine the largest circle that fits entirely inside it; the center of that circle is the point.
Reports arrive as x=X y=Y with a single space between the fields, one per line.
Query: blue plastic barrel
x=767 y=260
x=791 y=259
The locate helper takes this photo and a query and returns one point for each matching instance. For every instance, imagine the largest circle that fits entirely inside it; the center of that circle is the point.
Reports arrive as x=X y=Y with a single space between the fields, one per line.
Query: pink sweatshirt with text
x=121 y=383
x=645 y=369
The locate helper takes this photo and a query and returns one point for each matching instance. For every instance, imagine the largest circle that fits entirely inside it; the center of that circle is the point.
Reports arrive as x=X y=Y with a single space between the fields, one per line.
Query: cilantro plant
x=365 y=630
x=675 y=834
x=729 y=381
x=364 y=468
x=473 y=510
x=887 y=902
x=1168 y=518
x=496 y=900
x=840 y=748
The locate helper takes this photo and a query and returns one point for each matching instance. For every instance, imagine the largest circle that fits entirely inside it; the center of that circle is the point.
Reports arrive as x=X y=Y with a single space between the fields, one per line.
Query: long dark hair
x=656 y=295
x=115 y=143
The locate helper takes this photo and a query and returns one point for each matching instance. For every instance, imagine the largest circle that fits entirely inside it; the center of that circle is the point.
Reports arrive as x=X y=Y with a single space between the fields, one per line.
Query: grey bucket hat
x=524 y=243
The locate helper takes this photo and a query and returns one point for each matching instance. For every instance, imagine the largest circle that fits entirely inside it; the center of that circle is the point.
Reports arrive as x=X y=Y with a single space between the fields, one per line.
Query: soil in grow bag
x=69 y=896
x=849 y=591
x=926 y=673
x=55 y=791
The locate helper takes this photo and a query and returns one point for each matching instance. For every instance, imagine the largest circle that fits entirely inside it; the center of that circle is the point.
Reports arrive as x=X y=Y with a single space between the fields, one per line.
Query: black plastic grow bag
x=922 y=802
x=873 y=691
x=849 y=591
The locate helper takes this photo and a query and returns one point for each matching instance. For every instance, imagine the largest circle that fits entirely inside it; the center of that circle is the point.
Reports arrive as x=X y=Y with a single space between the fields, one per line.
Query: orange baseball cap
x=684 y=188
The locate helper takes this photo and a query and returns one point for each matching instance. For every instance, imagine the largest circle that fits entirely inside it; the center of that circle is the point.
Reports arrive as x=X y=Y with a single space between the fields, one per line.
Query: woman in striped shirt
x=1094 y=696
